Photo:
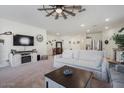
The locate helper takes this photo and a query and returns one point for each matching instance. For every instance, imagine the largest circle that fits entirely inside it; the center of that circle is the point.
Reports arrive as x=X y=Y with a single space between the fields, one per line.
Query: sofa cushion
x=116 y=76
x=75 y=54
x=118 y=84
x=67 y=55
x=91 y=56
x=119 y=68
x=87 y=64
x=96 y=62
x=65 y=60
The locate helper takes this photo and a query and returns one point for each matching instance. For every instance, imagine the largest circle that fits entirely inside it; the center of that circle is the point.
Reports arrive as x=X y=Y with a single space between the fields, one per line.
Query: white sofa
x=85 y=59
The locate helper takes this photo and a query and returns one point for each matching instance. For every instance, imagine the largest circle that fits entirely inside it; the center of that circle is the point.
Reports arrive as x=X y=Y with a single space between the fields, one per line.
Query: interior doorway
x=59 y=48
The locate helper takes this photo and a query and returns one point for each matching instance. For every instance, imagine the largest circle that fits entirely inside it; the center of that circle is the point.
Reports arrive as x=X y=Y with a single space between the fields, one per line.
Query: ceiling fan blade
x=52 y=5
x=39 y=9
x=73 y=7
x=42 y=9
x=77 y=7
x=71 y=13
x=50 y=13
x=57 y=16
x=82 y=10
x=64 y=16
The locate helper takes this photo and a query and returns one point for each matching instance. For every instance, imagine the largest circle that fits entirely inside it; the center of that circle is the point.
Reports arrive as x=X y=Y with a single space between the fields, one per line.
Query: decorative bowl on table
x=67 y=72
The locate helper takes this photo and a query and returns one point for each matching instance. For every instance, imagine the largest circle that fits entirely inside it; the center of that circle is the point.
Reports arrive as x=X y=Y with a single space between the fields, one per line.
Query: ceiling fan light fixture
x=107 y=19
x=59 y=10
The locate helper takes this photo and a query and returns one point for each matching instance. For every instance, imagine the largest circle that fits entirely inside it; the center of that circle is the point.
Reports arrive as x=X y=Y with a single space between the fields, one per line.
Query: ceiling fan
x=61 y=10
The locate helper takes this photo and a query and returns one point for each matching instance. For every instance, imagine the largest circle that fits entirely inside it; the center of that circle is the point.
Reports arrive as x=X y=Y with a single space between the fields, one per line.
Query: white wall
x=95 y=36
x=74 y=38
x=107 y=35
x=24 y=29
x=49 y=46
x=65 y=39
x=73 y=45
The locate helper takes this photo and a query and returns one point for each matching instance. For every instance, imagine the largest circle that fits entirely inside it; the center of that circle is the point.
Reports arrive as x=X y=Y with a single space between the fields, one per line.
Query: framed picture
x=78 y=42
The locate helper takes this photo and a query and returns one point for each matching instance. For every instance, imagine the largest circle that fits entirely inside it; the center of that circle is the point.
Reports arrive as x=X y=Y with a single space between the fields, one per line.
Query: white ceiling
x=94 y=15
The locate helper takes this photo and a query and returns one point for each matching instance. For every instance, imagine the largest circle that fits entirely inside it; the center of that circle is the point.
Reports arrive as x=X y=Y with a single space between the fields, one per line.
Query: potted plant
x=122 y=56
x=119 y=40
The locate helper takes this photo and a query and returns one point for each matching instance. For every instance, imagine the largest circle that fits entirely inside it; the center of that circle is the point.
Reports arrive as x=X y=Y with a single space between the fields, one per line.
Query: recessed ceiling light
x=106 y=27
x=82 y=25
x=88 y=30
x=107 y=19
x=57 y=34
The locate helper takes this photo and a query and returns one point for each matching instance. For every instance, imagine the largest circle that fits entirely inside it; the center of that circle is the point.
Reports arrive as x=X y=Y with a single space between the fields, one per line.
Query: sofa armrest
x=105 y=69
x=56 y=63
x=105 y=65
x=58 y=56
x=119 y=68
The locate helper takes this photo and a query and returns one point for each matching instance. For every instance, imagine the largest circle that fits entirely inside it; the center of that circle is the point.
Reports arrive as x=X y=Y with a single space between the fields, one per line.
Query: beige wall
x=95 y=36
x=73 y=45
x=107 y=35
x=24 y=29
x=73 y=38
x=49 y=46
x=65 y=39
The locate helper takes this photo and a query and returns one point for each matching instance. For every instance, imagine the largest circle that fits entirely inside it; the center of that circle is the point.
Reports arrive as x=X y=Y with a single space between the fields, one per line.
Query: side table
x=112 y=62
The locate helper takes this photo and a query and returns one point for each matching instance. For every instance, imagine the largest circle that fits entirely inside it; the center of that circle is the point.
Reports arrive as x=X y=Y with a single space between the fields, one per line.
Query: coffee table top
x=79 y=78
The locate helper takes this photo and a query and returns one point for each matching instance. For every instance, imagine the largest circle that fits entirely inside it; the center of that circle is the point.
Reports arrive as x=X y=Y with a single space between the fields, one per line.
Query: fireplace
x=25 y=58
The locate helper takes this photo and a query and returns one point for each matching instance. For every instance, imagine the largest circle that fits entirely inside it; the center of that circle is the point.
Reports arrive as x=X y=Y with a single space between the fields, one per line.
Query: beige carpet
x=31 y=75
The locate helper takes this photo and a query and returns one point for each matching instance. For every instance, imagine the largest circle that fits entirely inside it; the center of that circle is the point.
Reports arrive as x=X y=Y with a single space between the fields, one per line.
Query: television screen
x=23 y=40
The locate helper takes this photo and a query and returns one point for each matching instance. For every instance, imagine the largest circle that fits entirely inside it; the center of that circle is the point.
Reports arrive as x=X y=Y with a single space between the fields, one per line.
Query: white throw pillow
x=76 y=54
x=67 y=55
x=95 y=57
x=97 y=61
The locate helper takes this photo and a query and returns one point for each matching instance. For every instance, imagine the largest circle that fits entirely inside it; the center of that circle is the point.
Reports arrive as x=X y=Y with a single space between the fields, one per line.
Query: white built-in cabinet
x=15 y=60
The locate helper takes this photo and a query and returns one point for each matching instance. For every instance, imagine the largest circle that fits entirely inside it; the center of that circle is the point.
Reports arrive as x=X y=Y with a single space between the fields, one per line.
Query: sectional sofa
x=90 y=60
x=116 y=77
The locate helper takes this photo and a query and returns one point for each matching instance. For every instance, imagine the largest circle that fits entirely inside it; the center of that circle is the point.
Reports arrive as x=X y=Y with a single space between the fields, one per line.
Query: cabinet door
x=16 y=60
x=34 y=57
x=51 y=84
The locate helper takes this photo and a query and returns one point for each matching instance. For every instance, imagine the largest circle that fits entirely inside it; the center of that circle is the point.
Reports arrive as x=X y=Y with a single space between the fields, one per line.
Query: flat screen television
x=23 y=40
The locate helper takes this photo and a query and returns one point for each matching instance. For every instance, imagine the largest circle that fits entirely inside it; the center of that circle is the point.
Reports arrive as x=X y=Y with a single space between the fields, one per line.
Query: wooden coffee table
x=79 y=79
